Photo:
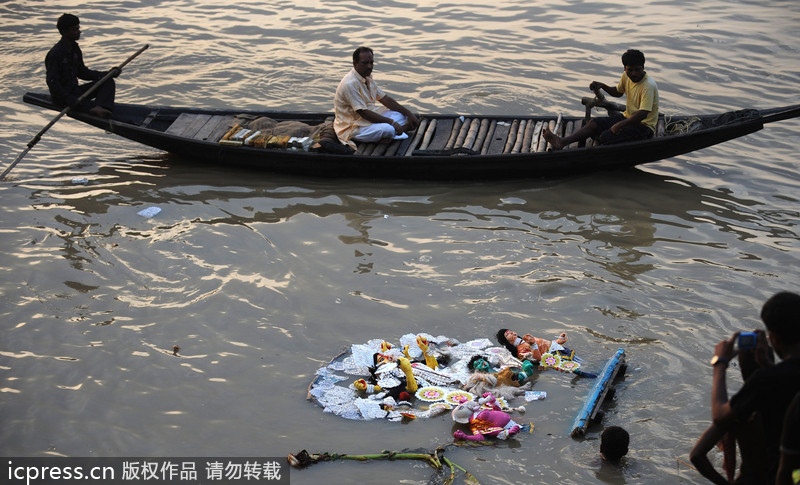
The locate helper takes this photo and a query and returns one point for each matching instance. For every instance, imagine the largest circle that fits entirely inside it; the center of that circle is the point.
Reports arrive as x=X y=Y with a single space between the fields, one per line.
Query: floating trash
x=535 y=395
x=149 y=212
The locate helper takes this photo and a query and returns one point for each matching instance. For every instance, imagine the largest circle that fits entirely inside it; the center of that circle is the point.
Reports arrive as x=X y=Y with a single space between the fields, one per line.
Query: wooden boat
x=444 y=147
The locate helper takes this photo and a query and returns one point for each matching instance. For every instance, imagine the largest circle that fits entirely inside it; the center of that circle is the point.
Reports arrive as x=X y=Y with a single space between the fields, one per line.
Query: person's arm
x=699 y=454
x=634 y=119
x=721 y=411
x=612 y=90
x=52 y=63
x=393 y=105
x=534 y=352
x=374 y=117
x=84 y=72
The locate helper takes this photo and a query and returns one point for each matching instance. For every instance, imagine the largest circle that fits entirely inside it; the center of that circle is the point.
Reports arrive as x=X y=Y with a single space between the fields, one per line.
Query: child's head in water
x=614 y=444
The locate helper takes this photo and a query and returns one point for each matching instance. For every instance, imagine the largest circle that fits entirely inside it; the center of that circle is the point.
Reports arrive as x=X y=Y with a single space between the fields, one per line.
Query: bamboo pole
x=520 y=136
x=512 y=136
x=537 y=136
x=462 y=134
x=489 y=134
x=481 y=138
x=417 y=136
x=454 y=133
x=426 y=140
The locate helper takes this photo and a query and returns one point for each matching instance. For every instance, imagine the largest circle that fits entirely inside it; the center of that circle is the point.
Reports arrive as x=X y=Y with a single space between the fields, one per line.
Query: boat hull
x=150 y=125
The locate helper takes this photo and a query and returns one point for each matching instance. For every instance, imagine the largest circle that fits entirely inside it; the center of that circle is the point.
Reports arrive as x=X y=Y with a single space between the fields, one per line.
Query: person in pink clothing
x=484 y=423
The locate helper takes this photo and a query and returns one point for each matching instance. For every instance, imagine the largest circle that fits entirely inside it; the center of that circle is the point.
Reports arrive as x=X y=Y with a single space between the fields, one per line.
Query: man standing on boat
x=65 y=66
x=641 y=109
x=359 y=117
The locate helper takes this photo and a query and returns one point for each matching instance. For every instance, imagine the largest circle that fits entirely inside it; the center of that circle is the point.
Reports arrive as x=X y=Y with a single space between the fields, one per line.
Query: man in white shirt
x=364 y=112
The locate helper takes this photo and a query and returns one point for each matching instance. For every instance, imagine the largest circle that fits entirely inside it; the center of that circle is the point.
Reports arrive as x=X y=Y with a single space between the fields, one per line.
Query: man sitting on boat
x=358 y=116
x=641 y=109
x=64 y=64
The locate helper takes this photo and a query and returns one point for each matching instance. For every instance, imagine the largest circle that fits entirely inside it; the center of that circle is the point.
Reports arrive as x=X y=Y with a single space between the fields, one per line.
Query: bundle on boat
x=265 y=132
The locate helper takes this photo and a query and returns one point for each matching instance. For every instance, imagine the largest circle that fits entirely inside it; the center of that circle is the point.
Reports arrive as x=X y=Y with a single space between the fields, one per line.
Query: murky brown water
x=261 y=279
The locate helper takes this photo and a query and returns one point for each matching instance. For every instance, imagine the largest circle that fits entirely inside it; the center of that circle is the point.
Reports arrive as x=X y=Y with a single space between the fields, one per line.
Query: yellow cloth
x=641 y=95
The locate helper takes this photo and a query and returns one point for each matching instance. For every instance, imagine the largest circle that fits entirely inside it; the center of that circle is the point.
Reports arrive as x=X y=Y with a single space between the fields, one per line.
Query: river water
x=260 y=279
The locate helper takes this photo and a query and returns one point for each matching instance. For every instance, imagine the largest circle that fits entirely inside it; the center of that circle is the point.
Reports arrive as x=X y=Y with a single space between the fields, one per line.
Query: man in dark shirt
x=769 y=390
x=65 y=66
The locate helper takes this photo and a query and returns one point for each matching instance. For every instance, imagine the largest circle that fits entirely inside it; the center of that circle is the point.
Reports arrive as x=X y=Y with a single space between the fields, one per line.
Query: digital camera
x=747 y=340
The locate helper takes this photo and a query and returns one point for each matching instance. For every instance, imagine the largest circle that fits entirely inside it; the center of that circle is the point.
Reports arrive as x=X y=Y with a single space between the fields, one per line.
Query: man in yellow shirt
x=364 y=112
x=641 y=109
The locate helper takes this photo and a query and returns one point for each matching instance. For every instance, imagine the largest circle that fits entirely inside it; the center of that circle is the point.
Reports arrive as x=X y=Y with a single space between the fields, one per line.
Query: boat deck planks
x=480 y=135
x=216 y=126
x=498 y=141
x=187 y=125
x=200 y=126
x=443 y=128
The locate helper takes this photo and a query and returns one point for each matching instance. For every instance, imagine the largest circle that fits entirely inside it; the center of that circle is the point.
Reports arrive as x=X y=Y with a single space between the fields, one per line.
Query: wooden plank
x=393 y=148
x=442 y=133
x=187 y=125
x=223 y=126
x=402 y=149
x=499 y=138
x=179 y=125
x=199 y=122
x=365 y=148
x=150 y=117
x=380 y=148
x=209 y=127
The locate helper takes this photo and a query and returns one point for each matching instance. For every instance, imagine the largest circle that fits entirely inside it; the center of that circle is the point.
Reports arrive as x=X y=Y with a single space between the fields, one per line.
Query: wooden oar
x=85 y=95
